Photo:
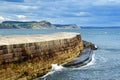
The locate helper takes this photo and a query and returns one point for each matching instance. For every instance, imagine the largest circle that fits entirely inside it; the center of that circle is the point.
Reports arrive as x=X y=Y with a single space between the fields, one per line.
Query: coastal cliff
x=35 y=25
x=25 y=57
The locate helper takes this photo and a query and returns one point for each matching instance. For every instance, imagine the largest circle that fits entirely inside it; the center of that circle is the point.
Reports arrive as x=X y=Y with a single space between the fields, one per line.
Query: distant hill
x=26 y=25
x=66 y=26
x=34 y=25
x=111 y=27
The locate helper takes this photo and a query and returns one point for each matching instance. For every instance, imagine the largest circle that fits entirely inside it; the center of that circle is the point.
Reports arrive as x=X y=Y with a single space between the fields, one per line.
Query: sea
x=105 y=64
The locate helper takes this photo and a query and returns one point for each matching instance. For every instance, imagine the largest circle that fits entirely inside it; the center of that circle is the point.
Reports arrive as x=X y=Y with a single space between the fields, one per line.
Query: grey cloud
x=13 y=0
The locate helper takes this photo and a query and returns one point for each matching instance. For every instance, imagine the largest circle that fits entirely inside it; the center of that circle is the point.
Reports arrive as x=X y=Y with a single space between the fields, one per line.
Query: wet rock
x=84 y=58
x=87 y=44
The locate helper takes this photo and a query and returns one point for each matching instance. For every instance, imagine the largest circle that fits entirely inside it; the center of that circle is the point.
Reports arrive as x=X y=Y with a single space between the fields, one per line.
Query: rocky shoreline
x=84 y=58
x=25 y=57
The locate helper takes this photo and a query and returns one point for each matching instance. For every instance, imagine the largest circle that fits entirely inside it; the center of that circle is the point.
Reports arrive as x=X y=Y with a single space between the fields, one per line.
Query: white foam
x=89 y=64
x=56 y=67
x=96 y=46
x=92 y=61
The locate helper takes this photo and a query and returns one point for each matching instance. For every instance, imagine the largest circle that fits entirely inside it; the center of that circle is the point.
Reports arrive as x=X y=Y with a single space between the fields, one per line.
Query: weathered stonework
x=25 y=60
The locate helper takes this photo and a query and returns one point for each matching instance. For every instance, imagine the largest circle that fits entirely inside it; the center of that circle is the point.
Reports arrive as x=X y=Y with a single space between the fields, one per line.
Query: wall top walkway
x=19 y=39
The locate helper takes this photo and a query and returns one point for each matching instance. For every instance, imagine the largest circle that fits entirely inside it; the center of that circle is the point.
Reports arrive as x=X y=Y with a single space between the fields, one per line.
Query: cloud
x=2 y=18
x=50 y=0
x=26 y=7
x=14 y=0
x=82 y=14
x=21 y=16
x=106 y=2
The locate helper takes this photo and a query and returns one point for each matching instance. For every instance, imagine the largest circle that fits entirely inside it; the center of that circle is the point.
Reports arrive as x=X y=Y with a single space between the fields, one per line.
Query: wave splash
x=56 y=67
x=91 y=62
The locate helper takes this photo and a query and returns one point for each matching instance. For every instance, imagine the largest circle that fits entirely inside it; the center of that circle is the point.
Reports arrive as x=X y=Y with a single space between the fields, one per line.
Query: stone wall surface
x=24 y=57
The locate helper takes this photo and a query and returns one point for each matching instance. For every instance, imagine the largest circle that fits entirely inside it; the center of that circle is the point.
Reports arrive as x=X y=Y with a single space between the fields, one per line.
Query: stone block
x=7 y=56
x=10 y=50
x=17 y=50
x=1 y=52
x=21 y=45
x=1 y=57
x=3 y=47
x=5 y=51
x=18 y=54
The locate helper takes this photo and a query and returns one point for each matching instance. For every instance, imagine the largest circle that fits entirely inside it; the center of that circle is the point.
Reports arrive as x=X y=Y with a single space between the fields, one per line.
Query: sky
x=81 y=12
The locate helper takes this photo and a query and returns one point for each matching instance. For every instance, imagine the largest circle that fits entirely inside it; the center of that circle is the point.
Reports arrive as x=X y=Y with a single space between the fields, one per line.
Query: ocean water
x=106 y=60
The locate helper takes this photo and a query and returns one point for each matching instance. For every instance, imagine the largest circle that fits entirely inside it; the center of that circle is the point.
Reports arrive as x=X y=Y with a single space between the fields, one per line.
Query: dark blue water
x=106 y=63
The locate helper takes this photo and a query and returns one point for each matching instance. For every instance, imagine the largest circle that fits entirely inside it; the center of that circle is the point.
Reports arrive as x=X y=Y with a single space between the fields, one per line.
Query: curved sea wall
x=24 y=57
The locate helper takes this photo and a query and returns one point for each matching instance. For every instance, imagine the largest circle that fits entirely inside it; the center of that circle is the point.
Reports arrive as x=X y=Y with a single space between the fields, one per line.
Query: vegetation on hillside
x=34 y=25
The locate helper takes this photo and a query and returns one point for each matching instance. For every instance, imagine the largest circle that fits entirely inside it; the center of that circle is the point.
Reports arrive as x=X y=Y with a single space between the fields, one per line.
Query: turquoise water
x=106 y=60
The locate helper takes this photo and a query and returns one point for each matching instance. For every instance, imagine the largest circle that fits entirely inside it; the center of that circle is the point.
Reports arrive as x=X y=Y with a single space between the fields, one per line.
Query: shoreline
x=84 y=58
x=30 y=56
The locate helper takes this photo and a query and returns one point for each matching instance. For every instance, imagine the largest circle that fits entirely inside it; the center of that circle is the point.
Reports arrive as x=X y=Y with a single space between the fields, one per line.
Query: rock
x=89 y=44
x=84 y=58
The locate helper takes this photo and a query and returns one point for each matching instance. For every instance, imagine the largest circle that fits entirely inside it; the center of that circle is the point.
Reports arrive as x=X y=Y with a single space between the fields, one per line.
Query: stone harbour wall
x=31 y=59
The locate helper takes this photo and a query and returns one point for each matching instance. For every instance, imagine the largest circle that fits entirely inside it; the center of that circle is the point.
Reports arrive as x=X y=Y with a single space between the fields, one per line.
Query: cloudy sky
x=81 y=12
